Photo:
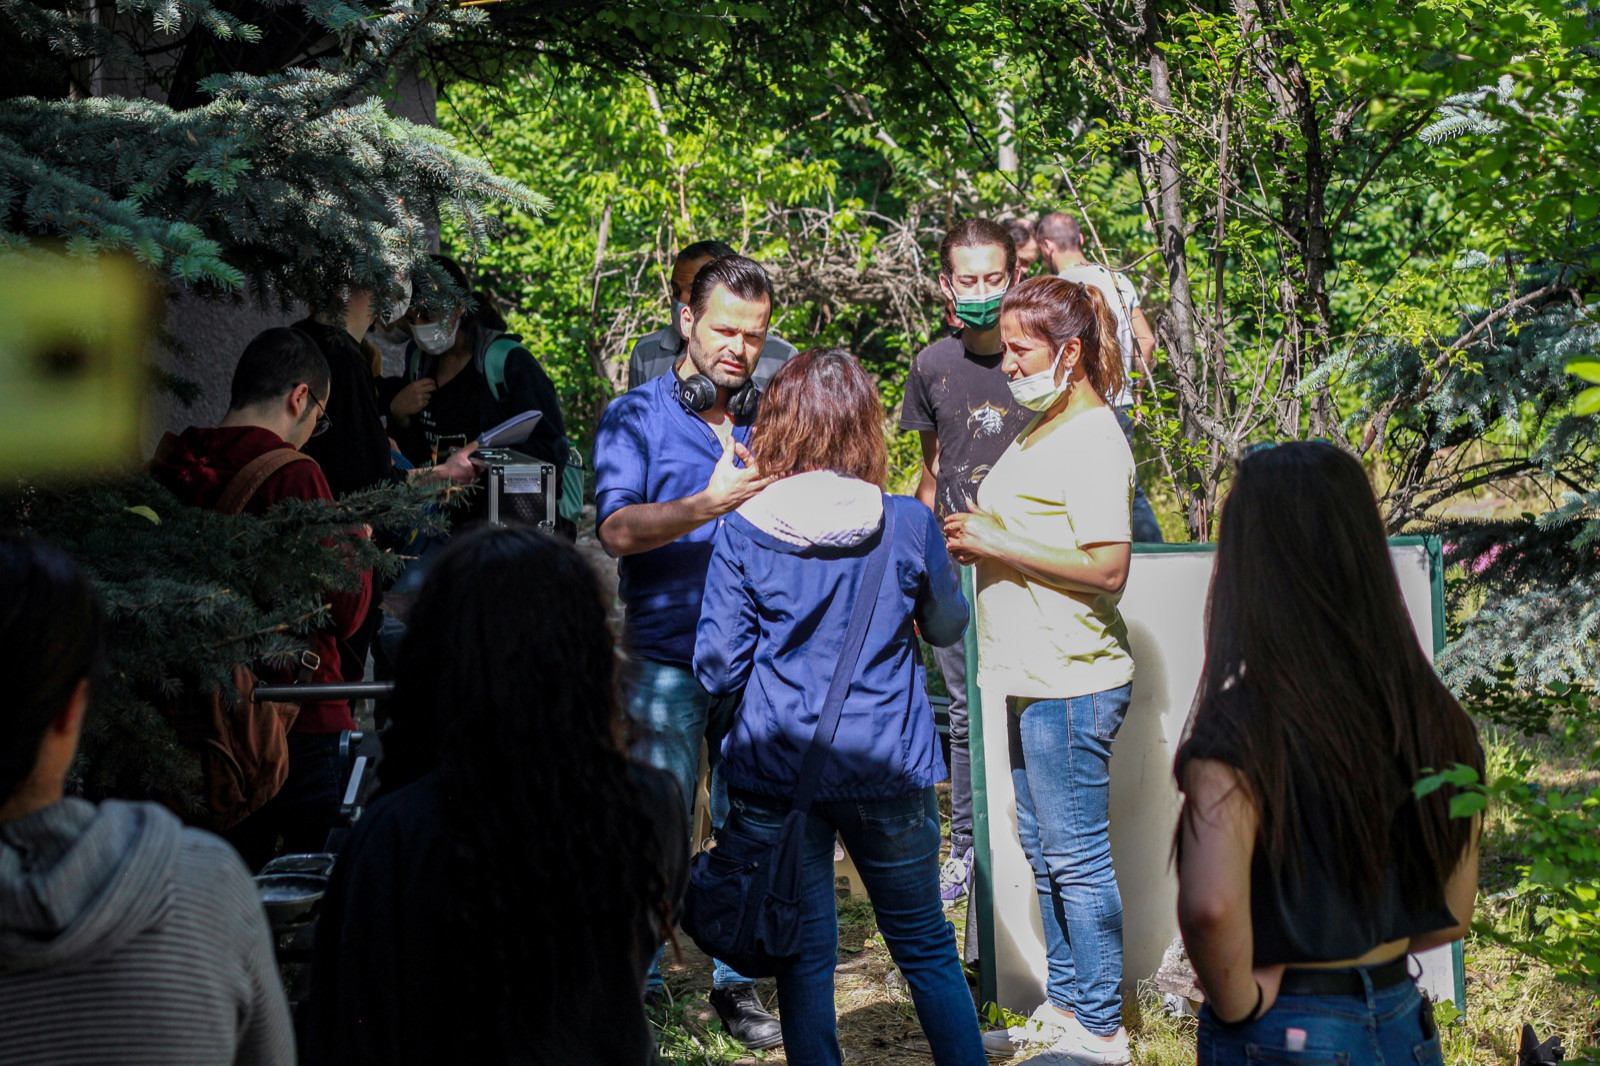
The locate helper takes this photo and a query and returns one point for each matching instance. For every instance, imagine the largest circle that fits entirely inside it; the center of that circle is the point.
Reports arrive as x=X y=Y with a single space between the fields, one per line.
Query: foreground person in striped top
x=124 y=937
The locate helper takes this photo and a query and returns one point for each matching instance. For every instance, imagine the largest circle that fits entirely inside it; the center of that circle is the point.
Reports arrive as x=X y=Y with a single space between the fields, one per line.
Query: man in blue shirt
x=671 y=459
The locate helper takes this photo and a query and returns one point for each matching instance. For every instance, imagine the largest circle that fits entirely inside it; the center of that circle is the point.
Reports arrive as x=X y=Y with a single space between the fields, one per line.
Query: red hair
x=821 y=412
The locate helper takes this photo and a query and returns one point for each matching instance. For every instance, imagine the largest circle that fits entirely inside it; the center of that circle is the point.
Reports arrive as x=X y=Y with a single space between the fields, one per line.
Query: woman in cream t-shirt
x=1050 y=534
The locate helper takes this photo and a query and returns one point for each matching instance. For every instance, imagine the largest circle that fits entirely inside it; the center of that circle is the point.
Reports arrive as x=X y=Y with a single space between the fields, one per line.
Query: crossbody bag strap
x=850 y=657
x=253 y=475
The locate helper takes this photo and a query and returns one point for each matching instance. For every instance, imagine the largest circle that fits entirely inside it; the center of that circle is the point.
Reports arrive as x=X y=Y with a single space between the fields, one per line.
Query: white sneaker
x=1080 y=1047
x=954 y=877
x=1045 y=1025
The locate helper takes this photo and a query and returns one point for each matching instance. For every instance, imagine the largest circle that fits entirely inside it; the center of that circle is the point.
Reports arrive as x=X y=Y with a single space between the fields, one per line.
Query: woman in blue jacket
x=785 y=571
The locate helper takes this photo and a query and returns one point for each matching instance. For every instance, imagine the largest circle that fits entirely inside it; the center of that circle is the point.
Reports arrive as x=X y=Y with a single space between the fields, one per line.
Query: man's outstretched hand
x=730 y=485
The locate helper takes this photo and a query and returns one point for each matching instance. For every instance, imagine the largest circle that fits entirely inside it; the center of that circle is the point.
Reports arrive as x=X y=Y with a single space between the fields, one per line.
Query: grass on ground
x=878 y=1025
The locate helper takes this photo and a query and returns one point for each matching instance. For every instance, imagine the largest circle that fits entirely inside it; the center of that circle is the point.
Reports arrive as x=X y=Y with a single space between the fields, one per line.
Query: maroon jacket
x=196 y=466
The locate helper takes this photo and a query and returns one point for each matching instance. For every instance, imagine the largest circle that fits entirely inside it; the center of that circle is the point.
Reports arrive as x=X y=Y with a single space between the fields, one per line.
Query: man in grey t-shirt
x=1061 y=246
x=656 y=353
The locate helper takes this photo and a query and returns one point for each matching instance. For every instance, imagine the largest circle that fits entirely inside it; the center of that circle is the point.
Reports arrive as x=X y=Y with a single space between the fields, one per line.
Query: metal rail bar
x=337 y=690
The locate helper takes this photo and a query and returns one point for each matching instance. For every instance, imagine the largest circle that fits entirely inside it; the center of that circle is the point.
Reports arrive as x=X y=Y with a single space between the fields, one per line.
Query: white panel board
x=1164 y=607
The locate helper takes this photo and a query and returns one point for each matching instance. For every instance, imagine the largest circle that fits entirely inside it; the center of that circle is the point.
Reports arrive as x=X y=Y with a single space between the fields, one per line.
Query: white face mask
x=436 y=338
x=677 y=318
x=1039 y=392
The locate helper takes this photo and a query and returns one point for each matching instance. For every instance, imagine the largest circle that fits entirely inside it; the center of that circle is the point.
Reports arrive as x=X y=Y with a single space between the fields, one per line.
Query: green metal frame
x=983 y=872
x=983 y=876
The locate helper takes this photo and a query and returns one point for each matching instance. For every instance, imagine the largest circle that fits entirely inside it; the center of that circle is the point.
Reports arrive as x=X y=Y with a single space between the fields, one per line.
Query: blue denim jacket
x=778 y=596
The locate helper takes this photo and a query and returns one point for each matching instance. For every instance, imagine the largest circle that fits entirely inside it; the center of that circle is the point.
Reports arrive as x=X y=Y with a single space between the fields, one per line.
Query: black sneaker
x=745 y=1019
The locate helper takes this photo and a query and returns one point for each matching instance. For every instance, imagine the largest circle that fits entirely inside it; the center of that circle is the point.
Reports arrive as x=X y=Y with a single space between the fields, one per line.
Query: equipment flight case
x=521 y=490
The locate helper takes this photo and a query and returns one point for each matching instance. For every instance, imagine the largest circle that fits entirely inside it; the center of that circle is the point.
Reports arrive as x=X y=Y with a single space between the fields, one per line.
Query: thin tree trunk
x=1180 y=325
x=686 y=224
x=1006 y=153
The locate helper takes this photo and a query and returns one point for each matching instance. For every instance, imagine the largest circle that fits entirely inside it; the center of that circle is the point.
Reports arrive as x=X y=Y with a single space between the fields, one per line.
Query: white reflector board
x=1164 y=607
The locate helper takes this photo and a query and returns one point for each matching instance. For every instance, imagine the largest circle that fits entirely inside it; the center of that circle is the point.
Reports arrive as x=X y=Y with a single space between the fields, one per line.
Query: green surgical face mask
x=979 y=312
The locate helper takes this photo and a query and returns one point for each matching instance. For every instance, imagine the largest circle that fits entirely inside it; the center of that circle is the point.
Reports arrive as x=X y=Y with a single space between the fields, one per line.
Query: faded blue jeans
x=1392 y=1027
x=895 y=846
x=671 y=714
x=1060 y=769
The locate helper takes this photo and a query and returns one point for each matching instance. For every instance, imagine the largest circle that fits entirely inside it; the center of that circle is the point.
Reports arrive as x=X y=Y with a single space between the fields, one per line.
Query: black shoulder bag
x=743 y=903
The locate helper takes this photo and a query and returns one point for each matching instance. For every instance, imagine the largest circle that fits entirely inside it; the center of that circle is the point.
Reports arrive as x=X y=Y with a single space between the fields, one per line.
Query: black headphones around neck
x=699 y=393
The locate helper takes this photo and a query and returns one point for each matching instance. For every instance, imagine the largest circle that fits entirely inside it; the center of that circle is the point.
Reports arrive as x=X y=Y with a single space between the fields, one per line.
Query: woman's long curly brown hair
x=1056 y=310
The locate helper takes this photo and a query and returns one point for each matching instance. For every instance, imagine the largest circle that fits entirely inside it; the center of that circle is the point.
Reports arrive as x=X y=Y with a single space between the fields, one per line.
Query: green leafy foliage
x=847 y=222
x=297 y=182
x=1587 y=402
x=1555 y=897
x=190 y=594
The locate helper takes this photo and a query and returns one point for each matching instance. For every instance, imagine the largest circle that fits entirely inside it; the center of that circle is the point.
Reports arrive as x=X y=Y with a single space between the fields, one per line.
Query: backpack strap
x=494 y=362
x=248 y=481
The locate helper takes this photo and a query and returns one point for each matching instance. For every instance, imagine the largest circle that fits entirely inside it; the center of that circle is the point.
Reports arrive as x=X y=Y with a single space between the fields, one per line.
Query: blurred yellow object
x=72 y=368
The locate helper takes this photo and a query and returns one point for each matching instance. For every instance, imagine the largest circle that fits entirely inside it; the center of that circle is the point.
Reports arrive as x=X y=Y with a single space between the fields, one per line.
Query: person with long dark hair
x=786 y=570
x=1307 y=867
x=502 y=899
x=1051 y=535
x=124 y=937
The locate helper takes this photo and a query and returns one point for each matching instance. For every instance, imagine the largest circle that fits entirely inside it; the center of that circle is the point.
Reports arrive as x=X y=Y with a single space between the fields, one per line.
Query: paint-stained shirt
x=964 y=399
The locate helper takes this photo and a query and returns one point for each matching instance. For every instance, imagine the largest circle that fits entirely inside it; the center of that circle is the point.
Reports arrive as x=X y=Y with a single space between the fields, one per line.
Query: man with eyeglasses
x=248 y=462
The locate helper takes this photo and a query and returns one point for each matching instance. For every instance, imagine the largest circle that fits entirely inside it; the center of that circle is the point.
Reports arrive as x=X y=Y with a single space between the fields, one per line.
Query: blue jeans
x=671 y=714
x=1060 y=768
x=1146 y=530
x=1393 y=1027
x=895 y=846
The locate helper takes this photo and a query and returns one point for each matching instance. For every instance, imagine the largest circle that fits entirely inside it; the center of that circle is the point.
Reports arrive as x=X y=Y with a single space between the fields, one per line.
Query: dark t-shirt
x=354 y=453
x=1308 y=912
x=395 y=981
x=963 y=397
x=465 y=406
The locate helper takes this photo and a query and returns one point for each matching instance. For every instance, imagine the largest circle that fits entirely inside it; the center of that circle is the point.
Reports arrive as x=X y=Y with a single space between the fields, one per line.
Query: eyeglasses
x=324 y=423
